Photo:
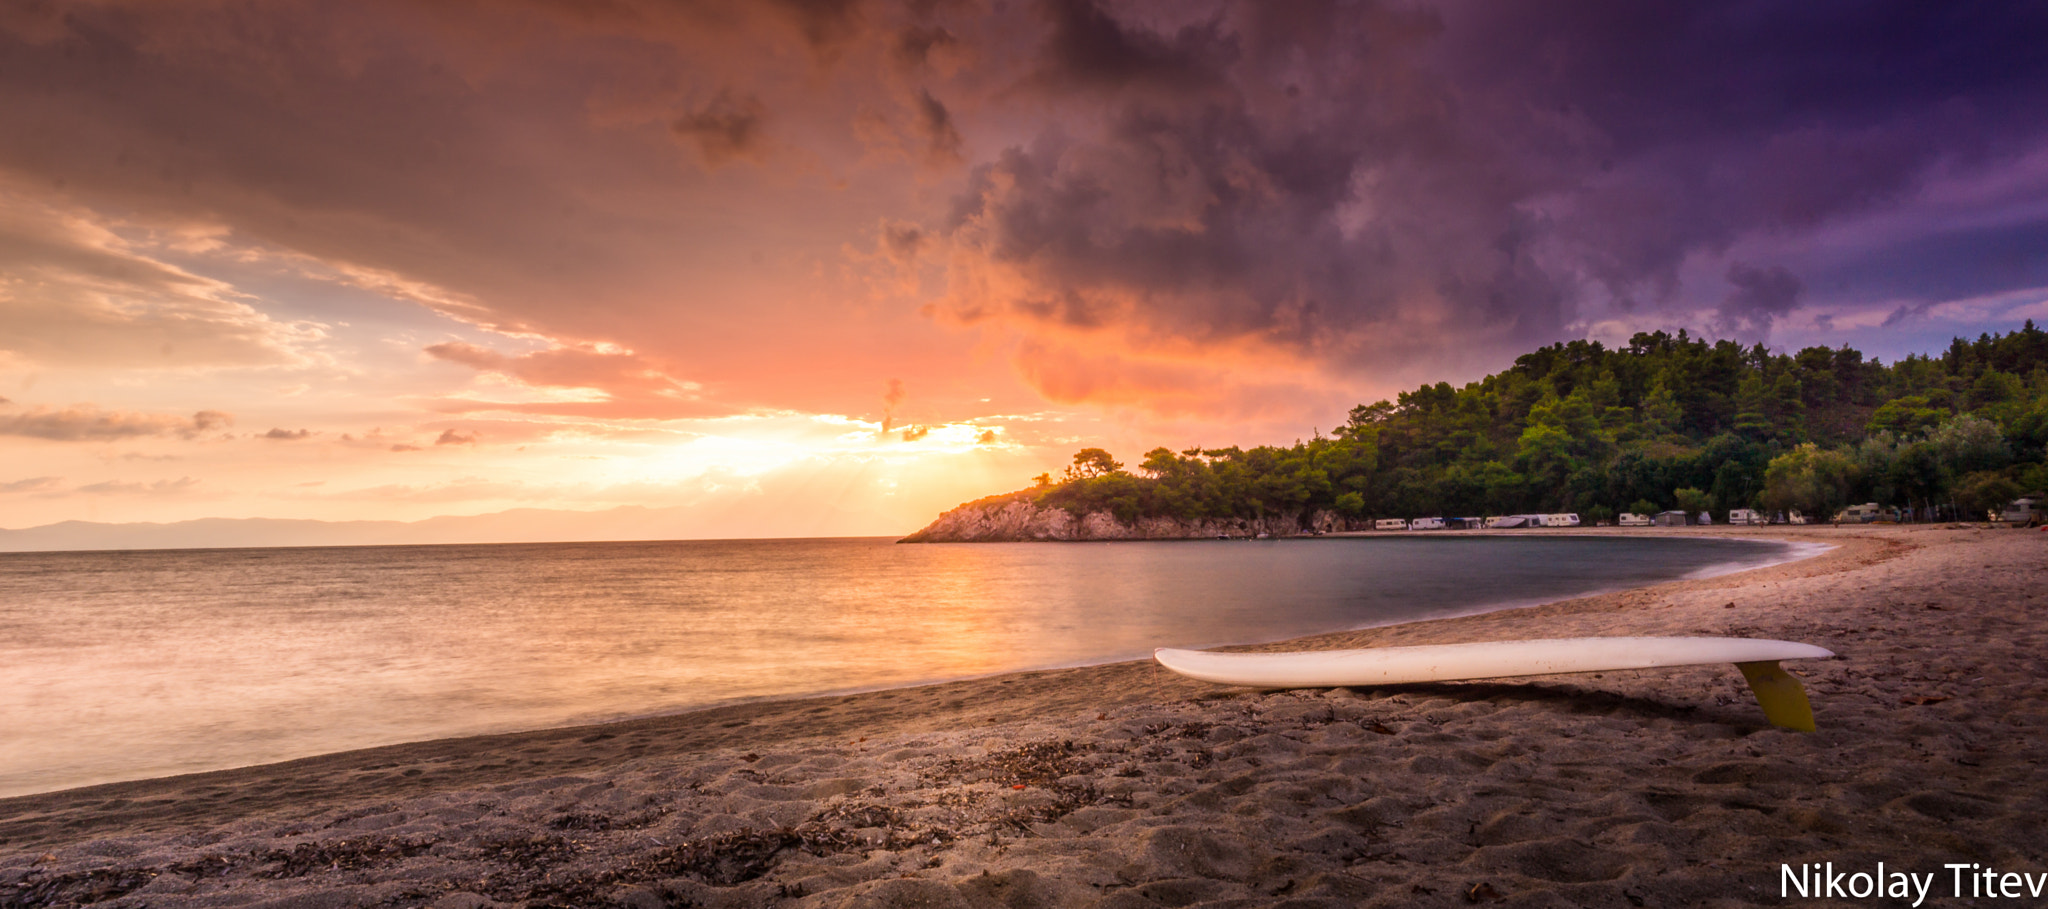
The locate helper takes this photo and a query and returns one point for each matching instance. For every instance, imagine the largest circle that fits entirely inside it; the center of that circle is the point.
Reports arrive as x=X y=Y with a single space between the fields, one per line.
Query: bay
x=128 y=665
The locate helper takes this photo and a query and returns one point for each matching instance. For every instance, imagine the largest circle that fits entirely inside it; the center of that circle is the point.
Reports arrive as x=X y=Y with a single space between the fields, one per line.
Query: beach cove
x=1123 y=785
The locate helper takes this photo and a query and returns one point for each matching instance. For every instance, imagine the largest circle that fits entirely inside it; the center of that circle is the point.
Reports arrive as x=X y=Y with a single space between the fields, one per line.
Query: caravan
x=1567 y=519
x=1628 y=519
x=1390 y=524
x=1746 y=516
x=1426 y=524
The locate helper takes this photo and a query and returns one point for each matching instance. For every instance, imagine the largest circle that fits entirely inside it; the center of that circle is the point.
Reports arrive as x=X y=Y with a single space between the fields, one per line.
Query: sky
x=826 y=267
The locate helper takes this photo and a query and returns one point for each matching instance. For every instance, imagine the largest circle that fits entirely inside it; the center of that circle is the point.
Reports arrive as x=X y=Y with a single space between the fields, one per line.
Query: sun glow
x=728 y=449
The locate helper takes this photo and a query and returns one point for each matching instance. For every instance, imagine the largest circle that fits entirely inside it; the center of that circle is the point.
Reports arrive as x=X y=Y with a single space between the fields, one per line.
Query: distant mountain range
x=526 y=525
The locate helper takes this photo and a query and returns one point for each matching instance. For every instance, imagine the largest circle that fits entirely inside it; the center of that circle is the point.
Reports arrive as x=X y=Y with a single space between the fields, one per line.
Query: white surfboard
x=1778 y=692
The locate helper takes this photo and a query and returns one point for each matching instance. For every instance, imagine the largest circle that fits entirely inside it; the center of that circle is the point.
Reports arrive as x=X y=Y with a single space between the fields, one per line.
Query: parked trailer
x=1426 y=524
x=1630 y=519
x=1567 y=519
x=1390 y=524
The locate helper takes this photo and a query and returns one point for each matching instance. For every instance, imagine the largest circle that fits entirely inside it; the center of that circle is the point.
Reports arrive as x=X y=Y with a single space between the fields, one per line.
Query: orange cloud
x=87 y=423
x=1210 y=388
x=179 y=486
x=74 y=292
x=630 y=385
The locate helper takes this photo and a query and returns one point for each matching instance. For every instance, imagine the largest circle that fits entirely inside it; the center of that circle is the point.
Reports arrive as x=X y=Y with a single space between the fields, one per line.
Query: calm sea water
x=127 y=665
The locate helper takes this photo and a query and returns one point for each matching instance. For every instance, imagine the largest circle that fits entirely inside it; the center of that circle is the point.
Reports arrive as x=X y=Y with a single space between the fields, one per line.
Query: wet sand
x=1125 y=786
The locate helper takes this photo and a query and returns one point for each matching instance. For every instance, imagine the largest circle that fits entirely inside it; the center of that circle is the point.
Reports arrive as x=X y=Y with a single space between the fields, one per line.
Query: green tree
x=1753 y=408
x=1983 y=492
x=1968 y=444
x=1692 y=501
x=1874 y=458
x=1576 y=426
x=1092 y=462
x=1907 y=416
x=1809 y=479
x=1917 y=475
x=1660 y=411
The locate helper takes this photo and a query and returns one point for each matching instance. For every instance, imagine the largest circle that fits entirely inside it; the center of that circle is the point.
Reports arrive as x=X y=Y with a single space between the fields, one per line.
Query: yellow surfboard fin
x=1780 y=695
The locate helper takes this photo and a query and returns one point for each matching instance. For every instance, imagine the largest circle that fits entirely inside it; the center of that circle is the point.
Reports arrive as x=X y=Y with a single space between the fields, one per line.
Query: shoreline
x=1123 y=771
x=1769 y=552
x=717 y=713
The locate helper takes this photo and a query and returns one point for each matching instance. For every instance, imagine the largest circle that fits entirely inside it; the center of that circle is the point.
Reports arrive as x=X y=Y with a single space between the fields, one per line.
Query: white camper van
x=1390 y=524
x=1746 y=516
x=1426 y=524
x=1628 y=519
x=1561 y=520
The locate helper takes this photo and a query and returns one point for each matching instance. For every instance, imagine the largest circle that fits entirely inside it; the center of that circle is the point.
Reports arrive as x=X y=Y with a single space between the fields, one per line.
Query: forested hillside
x=1664 y=422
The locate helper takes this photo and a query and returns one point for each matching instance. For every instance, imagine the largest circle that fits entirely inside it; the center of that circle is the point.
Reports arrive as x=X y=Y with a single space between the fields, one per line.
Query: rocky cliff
x=1015 y=519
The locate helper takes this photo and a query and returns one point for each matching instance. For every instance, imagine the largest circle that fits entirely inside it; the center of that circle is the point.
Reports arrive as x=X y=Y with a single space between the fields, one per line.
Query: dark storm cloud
x=1089 y=49
x=916 y=45
x=1372 y=182
x=1761 y=297
x=1142 y=190
x=1707 y=123
x=1906 y=312
x=942 y=138
x=824 y=23
x=901 y=243
x=728 y=128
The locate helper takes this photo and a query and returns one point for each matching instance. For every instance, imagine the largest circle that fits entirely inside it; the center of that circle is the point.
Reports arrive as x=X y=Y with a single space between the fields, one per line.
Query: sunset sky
x=830 y=267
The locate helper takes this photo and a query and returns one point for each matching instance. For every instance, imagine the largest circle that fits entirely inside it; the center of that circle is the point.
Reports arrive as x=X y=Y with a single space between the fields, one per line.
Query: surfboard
x=1777 y=691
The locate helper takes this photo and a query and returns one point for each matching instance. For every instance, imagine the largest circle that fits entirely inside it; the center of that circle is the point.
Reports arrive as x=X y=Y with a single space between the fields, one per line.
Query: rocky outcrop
x=1016 y=519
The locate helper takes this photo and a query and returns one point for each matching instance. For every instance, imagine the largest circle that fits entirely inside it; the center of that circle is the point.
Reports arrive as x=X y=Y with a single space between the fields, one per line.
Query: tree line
x=1666 y=422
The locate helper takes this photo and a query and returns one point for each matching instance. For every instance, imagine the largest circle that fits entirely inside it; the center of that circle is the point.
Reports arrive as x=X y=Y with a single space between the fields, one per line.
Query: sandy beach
x=1125 y=786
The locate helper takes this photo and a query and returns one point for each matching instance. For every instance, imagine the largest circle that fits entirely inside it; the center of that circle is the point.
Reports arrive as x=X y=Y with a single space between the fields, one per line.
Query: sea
x=136 y=664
